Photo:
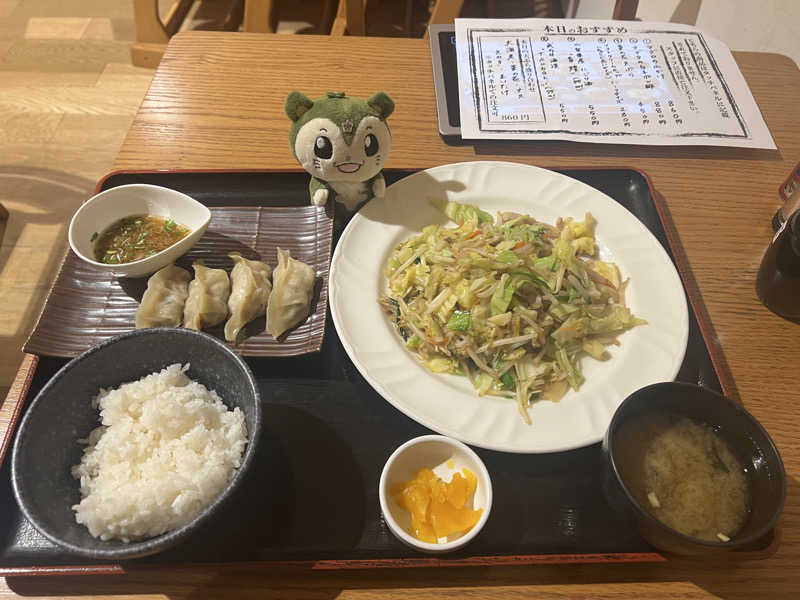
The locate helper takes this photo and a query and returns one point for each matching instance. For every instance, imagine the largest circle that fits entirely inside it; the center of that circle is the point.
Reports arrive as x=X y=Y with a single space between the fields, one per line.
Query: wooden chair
x=152 y=34
x=260 y=16
x=3 y=221
x=340 y=23
x=350 y=16
x=444 y=11
x=625 y=10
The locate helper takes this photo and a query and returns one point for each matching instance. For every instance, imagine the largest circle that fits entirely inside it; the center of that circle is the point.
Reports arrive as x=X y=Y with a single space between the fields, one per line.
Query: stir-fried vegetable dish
x=509 y=302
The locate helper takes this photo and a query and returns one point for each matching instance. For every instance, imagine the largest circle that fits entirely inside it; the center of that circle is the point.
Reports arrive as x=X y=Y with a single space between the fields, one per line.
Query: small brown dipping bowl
x=625 y=443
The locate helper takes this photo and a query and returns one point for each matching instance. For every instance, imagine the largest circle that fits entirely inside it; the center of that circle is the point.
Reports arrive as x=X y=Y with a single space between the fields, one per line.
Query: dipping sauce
x=136 y=237
x=438 y=509
x=691 y=481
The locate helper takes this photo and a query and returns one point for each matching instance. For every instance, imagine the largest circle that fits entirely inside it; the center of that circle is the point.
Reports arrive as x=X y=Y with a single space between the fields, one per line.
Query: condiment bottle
x=789 y=192
x=791 y=204
x=778 y=279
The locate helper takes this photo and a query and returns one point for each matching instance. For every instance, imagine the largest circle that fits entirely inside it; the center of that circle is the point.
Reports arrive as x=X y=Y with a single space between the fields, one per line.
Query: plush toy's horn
x=381 y=102
x=297 y=104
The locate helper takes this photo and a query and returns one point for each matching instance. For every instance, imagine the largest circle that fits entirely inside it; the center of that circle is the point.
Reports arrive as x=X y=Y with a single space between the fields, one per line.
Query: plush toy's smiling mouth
x=348 y=167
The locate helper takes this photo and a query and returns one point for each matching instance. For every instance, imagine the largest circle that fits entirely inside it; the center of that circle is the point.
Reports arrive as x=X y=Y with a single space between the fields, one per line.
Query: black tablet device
x=445 y=78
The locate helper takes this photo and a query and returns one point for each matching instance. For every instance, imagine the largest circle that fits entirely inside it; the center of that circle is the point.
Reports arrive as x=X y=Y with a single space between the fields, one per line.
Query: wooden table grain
x=216 y=102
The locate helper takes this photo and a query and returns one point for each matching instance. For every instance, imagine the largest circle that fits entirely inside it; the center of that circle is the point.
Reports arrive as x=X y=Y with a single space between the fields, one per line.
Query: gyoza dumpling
x=207 y=304
x=162 y=303
x=292 y=287
x=250 y=289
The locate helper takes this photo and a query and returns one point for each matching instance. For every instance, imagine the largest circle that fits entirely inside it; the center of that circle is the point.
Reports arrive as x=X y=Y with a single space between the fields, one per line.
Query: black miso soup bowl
x=750 y=443
x=46 y=445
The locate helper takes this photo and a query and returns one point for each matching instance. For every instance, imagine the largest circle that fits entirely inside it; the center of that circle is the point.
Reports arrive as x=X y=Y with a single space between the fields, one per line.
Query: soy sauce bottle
x=778 y=280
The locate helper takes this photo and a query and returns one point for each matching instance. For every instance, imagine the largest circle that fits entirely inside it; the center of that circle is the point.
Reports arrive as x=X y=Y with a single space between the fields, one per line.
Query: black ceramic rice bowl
x=46 y=445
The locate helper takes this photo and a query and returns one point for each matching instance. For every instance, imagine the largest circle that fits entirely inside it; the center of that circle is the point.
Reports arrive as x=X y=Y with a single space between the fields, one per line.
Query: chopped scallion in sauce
x=136 y=237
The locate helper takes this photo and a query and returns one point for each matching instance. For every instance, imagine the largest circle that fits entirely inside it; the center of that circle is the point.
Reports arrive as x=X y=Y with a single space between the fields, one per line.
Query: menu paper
x=614 y=82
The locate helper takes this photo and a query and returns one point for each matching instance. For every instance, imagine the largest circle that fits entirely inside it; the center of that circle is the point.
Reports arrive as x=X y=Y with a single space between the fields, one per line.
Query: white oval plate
x=448 y=404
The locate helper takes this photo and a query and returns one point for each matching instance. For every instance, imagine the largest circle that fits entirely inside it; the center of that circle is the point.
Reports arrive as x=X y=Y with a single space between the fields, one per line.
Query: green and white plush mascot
x=343 y=142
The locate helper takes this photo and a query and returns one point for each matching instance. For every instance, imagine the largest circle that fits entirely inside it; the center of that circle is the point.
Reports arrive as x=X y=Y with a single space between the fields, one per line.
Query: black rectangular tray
x=311 y=497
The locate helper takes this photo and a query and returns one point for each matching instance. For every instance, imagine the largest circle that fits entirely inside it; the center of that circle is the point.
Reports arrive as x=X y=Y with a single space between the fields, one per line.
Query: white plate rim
x=336 y=297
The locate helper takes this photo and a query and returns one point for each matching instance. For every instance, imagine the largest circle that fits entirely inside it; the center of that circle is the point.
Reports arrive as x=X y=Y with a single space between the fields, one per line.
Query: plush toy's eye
x=323 y=147
x=371 y=145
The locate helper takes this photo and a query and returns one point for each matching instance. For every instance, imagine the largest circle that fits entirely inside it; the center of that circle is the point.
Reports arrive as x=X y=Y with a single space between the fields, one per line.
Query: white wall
x=761 y=25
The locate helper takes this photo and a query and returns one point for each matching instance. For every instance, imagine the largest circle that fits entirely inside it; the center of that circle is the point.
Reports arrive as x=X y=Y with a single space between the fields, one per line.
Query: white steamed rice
x=166 y=448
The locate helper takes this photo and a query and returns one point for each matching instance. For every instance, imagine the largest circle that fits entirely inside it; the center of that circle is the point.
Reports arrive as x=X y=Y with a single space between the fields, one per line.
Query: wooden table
x=216 y=102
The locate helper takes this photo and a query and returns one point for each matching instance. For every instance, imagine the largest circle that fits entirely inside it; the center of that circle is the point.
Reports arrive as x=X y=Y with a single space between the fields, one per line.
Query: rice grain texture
x=166 y=448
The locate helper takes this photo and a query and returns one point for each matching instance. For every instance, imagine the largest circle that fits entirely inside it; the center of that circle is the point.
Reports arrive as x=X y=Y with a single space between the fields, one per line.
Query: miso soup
x=691 y=481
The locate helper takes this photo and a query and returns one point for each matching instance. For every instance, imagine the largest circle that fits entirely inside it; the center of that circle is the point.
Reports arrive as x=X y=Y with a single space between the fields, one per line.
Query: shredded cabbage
x=511 y=303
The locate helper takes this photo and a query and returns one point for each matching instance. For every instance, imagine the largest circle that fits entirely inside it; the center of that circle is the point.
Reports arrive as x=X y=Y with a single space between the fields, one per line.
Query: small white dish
x=105 y=208
x=445 y=457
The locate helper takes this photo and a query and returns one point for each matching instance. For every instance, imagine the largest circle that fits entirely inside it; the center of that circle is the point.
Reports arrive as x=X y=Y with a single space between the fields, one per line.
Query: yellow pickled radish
x=437 y=508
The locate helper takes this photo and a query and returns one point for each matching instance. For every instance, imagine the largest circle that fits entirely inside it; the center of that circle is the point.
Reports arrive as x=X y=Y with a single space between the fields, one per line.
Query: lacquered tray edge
x=101 y=182
x=336 y=565
x=18 y=392
x=11 y=407
x=702 y=317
